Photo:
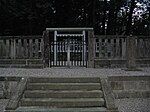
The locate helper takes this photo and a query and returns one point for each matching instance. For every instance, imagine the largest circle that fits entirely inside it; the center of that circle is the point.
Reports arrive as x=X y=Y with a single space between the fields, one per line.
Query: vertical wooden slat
x=31 y=48
x=106 y=48
x=25 y=46
x=37 y=48
x=138 y=47
x=4 y=49
x=14 y=48
x=120 y=47
x=42 y=48
x=1 y=49
x=109 y=48
x=17 y=47
x=112 y=48
x=100 y=48
x=124 y=48
x=117 y=48
x=142 y=47
x=7 y=48
x=148 y=48
x=11 y=48
x=20 y=52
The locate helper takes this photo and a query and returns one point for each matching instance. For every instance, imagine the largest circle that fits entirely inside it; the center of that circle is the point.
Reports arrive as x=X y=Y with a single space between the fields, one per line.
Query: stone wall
x=121 y=51
x=130 y=86
x=7 y=86
x=21 y=63
x=115 y=63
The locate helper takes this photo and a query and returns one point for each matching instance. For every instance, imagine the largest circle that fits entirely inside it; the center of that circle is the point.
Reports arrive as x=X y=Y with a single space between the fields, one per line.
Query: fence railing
x=103 y=47
x=114 y=47
x=143 y=47
x=110 y=47
x=21 y=47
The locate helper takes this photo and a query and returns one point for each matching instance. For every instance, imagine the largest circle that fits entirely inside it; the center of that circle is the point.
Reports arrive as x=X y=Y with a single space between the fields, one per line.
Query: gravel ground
x=133 y=105
x=3 y=103
x=74 y=72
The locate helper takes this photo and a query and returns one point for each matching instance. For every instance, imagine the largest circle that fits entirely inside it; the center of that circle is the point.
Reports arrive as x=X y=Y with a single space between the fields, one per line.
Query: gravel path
x=74 y=72
x=133 y=105
x=3 y=103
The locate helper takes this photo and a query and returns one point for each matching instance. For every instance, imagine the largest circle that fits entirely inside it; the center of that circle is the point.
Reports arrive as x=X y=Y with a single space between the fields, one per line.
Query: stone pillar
x=91 y=49
x=46 y=54
x=131 y=50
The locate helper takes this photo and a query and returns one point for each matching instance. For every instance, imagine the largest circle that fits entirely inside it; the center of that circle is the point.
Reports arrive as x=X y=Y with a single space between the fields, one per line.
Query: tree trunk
x=93 y=14
x=129 y=22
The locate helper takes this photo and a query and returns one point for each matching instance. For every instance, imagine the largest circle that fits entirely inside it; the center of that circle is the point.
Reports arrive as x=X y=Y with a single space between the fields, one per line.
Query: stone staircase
x=63 y=95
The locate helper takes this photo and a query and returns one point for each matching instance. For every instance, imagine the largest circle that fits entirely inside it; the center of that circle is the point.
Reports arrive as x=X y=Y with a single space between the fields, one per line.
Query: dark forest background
x=108 y=17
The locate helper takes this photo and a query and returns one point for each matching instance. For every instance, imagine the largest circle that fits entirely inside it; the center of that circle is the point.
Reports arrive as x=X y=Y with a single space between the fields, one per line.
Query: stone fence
x=7 y=86
x=130 y=86
x=21 y=47
x=114 y=51
x=103 y=51
x=21 y=51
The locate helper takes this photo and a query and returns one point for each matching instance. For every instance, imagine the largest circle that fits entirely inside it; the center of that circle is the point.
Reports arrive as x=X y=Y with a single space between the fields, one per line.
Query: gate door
x=68 y=50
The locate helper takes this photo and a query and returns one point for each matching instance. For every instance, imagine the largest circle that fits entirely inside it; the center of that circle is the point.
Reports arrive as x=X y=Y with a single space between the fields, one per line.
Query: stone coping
x=128 y=78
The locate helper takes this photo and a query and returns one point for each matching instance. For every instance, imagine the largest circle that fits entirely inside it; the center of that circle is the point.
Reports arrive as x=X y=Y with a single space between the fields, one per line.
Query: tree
x=110 y=17
x=129 y=22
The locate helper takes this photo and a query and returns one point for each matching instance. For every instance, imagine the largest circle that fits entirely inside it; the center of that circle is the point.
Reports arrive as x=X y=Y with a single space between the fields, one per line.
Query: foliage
x=108 y=17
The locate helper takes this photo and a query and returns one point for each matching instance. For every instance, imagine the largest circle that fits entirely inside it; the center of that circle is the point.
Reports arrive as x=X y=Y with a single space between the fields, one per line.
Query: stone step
x=63 y=86
x=38 y=109
x=63 y=103
x=65 y=80
x=63 y=94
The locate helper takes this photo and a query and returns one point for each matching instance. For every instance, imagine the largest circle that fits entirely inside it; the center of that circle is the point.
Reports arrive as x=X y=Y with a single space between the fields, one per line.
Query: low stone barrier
x=21 y=63
x=116 y=63
x=7 y=86
x=130 y=86
x=122 y=86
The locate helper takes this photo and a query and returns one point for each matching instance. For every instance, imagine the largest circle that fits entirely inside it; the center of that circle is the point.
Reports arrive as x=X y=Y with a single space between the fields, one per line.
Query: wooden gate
x=68 y=50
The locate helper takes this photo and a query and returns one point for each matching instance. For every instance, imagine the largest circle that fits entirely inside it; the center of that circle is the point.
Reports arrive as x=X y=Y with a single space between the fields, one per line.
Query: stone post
x=46 y=54
x=131 y=50
x=91 y=49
